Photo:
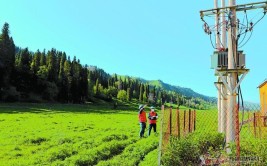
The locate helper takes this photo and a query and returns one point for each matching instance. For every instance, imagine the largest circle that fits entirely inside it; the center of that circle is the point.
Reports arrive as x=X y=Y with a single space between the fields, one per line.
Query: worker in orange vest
x=152 y=116
x=142 y=120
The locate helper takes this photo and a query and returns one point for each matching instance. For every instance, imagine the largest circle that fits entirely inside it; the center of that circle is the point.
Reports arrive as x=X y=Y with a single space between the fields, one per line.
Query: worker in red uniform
x=152 y=116
x=142 y=120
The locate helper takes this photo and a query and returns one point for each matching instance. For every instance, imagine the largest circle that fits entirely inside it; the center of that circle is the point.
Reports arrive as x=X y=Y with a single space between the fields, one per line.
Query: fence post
x=195 y=120
x=259 y=122
x=189 y=121
x=178 y=122
x=254 y=124
x=184 y=122
x=249 y=122
x=161 y=135
x=170 y=121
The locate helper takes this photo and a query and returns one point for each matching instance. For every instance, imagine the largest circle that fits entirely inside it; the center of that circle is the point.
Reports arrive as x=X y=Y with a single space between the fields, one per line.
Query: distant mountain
x=181 y=90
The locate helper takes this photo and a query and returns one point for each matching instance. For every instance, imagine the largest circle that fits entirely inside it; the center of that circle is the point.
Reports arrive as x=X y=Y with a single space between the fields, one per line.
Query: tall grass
x=55 y=134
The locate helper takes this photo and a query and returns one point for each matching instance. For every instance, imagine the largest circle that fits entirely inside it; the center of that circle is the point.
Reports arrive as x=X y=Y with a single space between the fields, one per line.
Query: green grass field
x=54 y=134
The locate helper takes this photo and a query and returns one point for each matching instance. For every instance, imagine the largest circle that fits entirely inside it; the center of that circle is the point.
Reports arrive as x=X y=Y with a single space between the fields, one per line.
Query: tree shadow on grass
x=49 y=108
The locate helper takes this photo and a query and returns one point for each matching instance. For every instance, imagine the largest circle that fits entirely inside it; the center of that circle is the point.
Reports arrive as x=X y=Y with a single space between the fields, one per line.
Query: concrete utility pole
x=232 y=59
x=217 y=41
x=228 y=82
x=223 y=88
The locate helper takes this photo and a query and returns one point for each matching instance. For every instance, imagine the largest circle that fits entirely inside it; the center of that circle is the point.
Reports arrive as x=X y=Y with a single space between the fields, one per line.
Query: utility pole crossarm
x=244 y=7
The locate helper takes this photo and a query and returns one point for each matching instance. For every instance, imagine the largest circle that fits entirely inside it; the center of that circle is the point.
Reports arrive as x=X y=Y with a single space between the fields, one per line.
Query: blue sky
x=144 y=38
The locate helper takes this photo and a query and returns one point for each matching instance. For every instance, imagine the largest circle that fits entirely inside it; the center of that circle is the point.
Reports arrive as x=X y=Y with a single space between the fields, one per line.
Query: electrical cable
x=211 y=42
x=251 y=29
x=244 y=28
x=243 y=110
x=264 y=13
x=221 y=25
x=240 y=98
x=247 y=40
x=256 y=15
x=241 y=24
x=246 y=15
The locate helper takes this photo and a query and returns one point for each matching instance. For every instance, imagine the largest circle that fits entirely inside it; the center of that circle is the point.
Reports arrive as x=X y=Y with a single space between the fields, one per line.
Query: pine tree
x=75 y=89
x=97 y=87
x=178 y=100
x=7 y=56
x=148 y=90
x=129 y=95
x=23 y=80
x=24 y=61
x=125 y=85
x=84 y=83
x=51 y=65
x=35 y=64
x=145 y=96
x=67 y=73
x=116 y=77
x=43 y=58
x=61 y=67
x=141 y=92
x=62 y=81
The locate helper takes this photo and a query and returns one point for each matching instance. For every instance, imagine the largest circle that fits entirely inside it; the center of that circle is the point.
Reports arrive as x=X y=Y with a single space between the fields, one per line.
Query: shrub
x=122 y=95
x=10 y=94
x=186 y=151
x=37 y=140
x=114 y=137
x=150 y=159
x=254 y=148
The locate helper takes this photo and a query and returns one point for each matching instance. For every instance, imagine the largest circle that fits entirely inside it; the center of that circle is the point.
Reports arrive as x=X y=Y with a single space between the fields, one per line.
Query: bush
x=186 y=151
x=181 y=152
x=10 y=94
x=252 y=148
x=122 y=95
x=150 y=159
x=37 y=140
x=209 y=142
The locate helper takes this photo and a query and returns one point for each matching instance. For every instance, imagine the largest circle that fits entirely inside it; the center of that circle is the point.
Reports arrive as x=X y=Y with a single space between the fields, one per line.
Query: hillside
x=51 y=75
x=181 y=90
x=159 y=84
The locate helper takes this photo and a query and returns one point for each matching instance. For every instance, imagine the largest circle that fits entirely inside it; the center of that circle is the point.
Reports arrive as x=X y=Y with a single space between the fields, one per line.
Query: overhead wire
x=251 y=32
x=245 y=30
x=250 y=29
x=208 y=30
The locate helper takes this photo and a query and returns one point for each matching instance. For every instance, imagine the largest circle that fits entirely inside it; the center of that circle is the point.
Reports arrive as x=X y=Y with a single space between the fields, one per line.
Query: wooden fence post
x=189 y=121
x=254 y=124
x=170 y=121
x=184 y=122
x=161 y=135
x=195 y=120
x=259 y=122
x=249 y=122
x=178 y=122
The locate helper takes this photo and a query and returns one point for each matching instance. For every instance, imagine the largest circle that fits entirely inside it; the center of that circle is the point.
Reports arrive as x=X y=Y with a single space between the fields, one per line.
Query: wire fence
x=242 y=124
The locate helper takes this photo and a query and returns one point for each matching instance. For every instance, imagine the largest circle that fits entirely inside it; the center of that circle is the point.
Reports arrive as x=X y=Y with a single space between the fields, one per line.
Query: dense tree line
x=53 y=76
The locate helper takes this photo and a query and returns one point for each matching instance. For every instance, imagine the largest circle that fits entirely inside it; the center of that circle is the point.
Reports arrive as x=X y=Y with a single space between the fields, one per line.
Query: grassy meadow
x=90 y=134
x=55 y=134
